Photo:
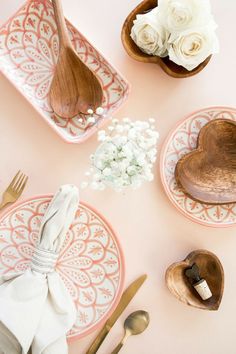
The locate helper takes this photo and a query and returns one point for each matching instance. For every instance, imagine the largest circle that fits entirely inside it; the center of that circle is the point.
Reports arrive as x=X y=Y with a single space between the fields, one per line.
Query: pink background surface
x=152 y=232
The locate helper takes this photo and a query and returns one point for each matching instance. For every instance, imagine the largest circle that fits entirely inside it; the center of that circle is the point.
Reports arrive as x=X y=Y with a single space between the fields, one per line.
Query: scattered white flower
x=91 y=120
x=125 y=157
x=99 y=111
x=151 y=120
x=119 y=128
x=90 y=111
x=101 y=138
x=131 y=170
x=115 y=121
x=97 y=176
x=107 y=171
x=101 y=132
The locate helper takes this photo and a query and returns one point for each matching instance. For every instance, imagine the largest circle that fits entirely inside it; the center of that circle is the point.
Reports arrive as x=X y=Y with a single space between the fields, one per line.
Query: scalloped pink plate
x=28 y=55
x=91 y=262
x=181 y=141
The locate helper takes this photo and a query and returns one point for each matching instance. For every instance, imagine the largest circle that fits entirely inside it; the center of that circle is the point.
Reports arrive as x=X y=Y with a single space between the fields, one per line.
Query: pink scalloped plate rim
x=104 y=230
x=30 y=49
x=181 y=140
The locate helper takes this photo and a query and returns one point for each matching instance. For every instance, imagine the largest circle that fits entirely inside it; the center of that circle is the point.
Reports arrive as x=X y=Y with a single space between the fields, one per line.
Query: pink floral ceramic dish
x=90 y=264
x=181 y=141
x=28 y=55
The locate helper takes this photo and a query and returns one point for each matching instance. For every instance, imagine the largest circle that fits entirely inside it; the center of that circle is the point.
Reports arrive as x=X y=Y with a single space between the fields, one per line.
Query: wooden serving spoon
x=74 y=88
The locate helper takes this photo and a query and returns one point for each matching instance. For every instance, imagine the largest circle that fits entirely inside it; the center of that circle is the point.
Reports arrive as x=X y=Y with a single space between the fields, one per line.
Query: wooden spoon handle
x=61 y=24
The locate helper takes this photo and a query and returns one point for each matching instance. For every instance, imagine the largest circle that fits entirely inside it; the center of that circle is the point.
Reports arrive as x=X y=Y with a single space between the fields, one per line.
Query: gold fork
x=14 y=190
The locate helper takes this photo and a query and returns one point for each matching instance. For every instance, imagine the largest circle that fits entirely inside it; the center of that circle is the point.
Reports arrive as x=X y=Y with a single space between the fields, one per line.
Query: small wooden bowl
x=210 y=269
x=208 y=174
x=133 y=50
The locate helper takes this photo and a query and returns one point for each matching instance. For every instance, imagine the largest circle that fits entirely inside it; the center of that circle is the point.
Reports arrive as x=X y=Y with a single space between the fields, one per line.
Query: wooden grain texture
x=210 y=269
x=74 y=88
x=208 y=174
x=133 y=50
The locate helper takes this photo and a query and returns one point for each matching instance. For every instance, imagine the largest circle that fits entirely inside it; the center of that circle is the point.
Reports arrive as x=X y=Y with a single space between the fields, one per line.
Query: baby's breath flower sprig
x=125 y=156
x=92 y=116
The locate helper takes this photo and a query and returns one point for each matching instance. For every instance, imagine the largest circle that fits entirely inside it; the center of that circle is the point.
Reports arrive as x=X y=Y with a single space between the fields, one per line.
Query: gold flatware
x=14 y=190
x=134 y=324
x=74 y=88
x=127 y=296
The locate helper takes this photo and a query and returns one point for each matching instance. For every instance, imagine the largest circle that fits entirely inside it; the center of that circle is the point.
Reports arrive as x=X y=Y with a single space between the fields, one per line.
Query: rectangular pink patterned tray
x=29 y=50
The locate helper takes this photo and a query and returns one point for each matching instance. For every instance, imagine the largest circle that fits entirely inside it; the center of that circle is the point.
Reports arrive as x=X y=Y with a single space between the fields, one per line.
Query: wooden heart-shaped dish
x=210 y=269
x=208 y=174
x=133 y=50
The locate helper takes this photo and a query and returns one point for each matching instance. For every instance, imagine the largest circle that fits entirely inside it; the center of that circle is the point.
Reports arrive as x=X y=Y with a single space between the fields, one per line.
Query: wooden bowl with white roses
x=135 y=52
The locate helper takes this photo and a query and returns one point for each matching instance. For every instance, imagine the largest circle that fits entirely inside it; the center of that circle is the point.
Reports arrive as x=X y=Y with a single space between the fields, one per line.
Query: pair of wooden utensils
x=74 y=89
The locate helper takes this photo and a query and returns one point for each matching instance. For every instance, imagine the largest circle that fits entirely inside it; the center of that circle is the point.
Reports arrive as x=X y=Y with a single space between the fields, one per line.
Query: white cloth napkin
x=36 y=310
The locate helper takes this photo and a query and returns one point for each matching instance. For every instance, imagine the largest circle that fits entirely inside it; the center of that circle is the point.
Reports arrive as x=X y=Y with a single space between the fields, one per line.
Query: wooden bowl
x=133 y=50
x=208 y=174
x=210 y=269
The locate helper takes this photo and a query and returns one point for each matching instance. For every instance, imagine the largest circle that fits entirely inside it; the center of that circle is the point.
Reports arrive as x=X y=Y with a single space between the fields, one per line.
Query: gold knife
x=126 y=297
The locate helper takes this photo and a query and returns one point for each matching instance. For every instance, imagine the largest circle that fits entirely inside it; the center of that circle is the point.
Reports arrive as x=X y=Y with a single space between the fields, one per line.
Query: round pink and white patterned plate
x=90 y=263
x=181 y=141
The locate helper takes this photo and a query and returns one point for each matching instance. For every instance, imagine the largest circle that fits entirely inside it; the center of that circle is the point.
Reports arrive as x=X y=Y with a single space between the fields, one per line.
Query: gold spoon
x=134 y=324
x=75 y=88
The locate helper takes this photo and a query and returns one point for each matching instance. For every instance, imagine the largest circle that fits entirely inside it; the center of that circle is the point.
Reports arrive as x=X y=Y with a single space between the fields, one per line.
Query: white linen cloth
x=36 y=309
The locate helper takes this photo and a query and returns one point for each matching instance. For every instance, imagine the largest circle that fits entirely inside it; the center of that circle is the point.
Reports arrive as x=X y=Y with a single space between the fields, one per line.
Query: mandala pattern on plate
x=29 y=48
x=90 y=261
x=181 y=141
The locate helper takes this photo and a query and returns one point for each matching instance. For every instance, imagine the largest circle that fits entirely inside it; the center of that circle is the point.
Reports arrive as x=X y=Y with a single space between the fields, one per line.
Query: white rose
x=191 y=47
x=179 y=15
x=149 y=35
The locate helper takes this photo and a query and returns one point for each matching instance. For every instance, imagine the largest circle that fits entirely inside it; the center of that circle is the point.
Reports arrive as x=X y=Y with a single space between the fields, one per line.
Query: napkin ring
x=43 y=261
